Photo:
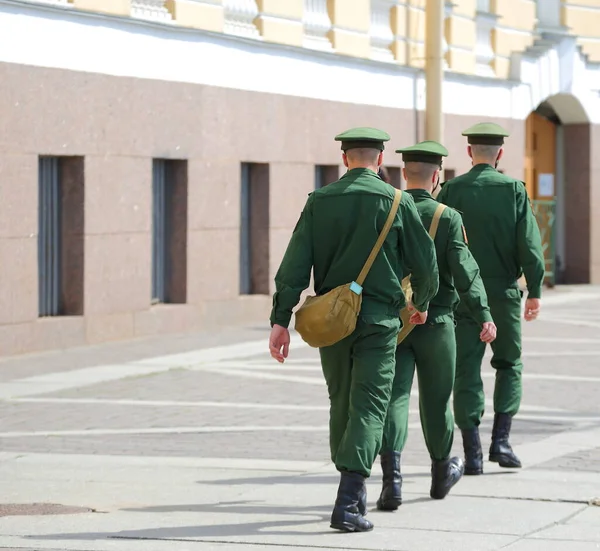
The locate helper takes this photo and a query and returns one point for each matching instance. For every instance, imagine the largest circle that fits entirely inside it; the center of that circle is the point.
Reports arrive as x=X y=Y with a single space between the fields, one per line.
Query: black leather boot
x=362 y=500
x=473 y=453
x=391 y=493
x=346 y=515
x=500 y=450
x=444 y=475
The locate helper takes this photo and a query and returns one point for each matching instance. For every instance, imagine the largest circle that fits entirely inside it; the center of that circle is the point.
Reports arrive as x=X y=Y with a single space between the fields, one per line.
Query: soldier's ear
x=380 y=159
x=345 y=159
x=404 y=173
x=436 y=176
x=500 y=153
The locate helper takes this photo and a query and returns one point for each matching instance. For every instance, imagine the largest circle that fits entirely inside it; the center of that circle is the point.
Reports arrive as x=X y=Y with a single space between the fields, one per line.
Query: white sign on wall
x=546 y=185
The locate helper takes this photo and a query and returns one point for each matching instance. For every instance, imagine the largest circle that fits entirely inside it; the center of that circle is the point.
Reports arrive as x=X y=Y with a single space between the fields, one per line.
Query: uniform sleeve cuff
x=422 y=307
x=485 y=317
x=535 y=292
x=284 y=321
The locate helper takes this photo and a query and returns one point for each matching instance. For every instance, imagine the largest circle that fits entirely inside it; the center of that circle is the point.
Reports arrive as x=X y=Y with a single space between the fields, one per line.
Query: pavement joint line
x=252 y=544
x=569 y=298
x=28 y=548
x=556 y=540
x=560 y=415
x=568 y=321
x=291 y=466
x=78 y=378
x=554 y=523
x=167 y=430
x=258 y=372
x=511 y=498
x=166 y=403
x=541 y=417
x=573 y=340
x=558 y=445
x=176 y=430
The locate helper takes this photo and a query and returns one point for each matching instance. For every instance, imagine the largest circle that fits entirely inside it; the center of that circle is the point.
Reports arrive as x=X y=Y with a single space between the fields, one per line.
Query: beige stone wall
x=215 y=130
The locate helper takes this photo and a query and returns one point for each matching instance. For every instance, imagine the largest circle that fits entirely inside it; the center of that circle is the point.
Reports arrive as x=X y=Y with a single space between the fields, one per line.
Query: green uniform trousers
x=359 y=371
x=469 y=397
x=432 y=348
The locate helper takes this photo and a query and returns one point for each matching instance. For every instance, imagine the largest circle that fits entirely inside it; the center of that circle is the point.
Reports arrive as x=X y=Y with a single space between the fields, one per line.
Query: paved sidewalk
x=202 y=442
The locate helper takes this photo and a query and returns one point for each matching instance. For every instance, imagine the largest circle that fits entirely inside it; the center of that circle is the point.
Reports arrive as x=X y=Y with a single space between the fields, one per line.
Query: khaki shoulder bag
x=327 y=319
x=405 y=314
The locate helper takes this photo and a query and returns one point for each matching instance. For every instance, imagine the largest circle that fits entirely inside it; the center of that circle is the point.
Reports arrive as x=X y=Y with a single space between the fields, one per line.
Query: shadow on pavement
x=315 y=515
x=299 y=479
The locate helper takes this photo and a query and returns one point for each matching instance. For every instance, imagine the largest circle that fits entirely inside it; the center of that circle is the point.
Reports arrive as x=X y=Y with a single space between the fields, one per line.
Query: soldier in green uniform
x=432 y=346
x=505 y=241
x=337 y=229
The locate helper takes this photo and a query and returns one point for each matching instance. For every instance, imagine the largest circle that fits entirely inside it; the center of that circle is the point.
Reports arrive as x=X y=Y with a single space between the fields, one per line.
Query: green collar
x=357 y=171
x=419 y=194
x=482 y=166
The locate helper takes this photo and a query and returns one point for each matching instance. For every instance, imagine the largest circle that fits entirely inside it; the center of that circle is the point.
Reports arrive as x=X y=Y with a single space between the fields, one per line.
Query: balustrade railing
x=240 y=16
x=381 y=34
x=317 y=25
x=154 y=10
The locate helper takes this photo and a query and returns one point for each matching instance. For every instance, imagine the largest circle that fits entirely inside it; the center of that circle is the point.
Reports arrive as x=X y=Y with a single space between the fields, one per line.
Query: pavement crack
x=534 y=499
x=563 y=520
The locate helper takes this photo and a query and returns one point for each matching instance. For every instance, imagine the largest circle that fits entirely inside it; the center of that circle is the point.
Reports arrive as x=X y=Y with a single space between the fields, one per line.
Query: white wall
x=68 y=39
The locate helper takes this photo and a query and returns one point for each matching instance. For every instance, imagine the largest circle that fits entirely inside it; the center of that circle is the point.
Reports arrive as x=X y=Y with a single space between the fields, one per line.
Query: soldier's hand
x=532 y=308
x=418 y=318
x=279 y=343
x=488 y=333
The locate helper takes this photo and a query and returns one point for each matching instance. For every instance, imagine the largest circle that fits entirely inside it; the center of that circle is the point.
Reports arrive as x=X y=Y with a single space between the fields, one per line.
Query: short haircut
x=363 y=155
x=488 y=152
x=419 y=171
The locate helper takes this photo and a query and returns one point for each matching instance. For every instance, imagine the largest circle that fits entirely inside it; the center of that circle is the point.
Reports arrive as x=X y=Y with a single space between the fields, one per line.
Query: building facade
x=155 y=155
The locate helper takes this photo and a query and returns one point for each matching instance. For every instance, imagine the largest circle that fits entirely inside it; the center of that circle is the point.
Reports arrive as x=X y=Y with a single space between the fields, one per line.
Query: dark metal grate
x=49 y=236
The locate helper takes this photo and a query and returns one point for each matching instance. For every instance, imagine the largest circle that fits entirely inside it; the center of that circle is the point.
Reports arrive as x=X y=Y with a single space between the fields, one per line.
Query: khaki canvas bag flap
x=405 y=315
x=324 y=320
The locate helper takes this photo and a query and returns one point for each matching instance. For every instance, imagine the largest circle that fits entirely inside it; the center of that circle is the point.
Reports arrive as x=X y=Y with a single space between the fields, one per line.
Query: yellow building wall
x=583 y=19
x=197 y=16
x=505 y=42
x=399 y=18
x=415 y=32
x=113 y=7
x=350 y=32
x=465 y=7
x=515 y=14
x=281 y=22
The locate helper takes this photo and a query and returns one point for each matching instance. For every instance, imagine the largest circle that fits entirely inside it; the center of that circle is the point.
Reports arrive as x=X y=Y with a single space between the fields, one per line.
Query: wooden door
x=540 y=179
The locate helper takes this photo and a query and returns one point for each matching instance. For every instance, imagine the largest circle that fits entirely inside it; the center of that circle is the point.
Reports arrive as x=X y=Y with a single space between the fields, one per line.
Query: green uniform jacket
x=459 y=273
x=503 y=233
x=336 y=231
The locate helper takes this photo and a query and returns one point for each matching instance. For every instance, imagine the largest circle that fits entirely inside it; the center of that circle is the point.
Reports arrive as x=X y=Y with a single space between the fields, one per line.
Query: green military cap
x=363 y=137
x=424 y=152
x=486 y=133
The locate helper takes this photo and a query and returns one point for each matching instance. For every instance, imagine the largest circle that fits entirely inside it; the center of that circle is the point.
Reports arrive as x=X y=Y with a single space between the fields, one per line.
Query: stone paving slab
x=548 y=545
x=29 y=365
x=584 y=527
x=248 y=507
x=222 y=448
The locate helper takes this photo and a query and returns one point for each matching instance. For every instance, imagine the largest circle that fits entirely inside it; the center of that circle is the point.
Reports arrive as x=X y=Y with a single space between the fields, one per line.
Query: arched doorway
x=558 y=179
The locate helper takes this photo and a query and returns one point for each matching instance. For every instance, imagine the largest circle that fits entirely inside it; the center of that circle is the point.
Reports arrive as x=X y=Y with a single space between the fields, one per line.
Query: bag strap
x=435 y=222
x=384 y=232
